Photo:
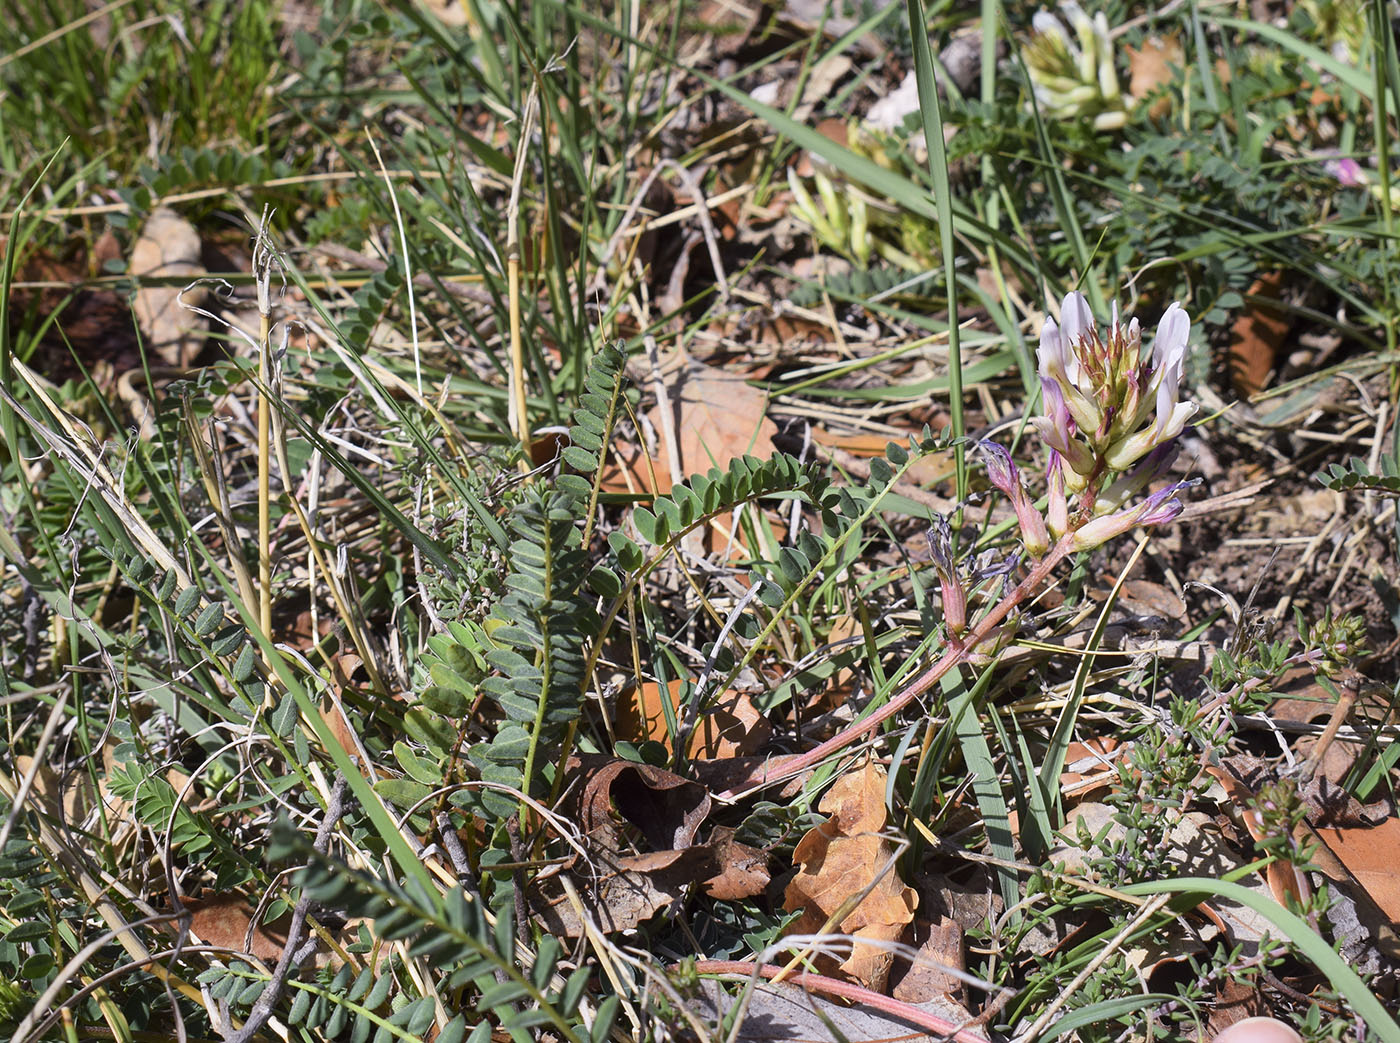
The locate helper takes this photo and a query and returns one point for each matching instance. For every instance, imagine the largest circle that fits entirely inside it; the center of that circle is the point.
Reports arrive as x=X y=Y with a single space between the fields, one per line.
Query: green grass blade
x=932 y=117
x=1345 y=980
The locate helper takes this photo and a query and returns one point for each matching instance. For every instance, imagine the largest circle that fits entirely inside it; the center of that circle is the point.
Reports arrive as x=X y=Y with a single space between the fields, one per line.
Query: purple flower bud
x=1004 y=474
x=1163 y=506
x=1057 y=429
x=1002 y=471
x=1158 y=509
x=940 y=545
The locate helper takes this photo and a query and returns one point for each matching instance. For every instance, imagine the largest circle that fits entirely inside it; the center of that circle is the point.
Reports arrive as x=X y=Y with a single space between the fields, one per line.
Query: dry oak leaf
x=620 y=892
x=732 y=727
x=846 y=860
x=743 y=870
x=927 y=978
x=168 y=246
x=1285 y=881
x=1151 y=69
x=226 y=920
x=1370 y=855
x=665 y=808
x=927 y=471
x=616 y=893
x=716 y=416
x=1256 y=337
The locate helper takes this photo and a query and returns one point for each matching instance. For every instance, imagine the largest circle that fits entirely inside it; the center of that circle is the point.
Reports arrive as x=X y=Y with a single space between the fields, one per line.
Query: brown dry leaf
x=843 y=682
x=224 y=920
x=169 y=246
x=665 y=808
x=75 y=792
x=1088 y=768
x=927 y=978
x=1284 y=881
x=856 y=803
x=620 y=892
x=1144 y=598
x=929 y=469
x=1150 y=69
x=1378 y=925
x=732 y=728
x=743 y=870
x=1234 y=1002
x=845 y=858
x=1370 y=855
x=1256 y=337
x=716 y=417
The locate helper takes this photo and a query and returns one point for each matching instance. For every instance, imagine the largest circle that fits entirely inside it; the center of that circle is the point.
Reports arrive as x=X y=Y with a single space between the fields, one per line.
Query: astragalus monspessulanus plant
x=1110 y=420
x=1072 y=71
x=1111 y=417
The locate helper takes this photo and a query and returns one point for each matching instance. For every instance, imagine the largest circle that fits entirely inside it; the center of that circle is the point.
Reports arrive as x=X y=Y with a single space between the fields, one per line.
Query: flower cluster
x=1111 y=422
x=1074 y=75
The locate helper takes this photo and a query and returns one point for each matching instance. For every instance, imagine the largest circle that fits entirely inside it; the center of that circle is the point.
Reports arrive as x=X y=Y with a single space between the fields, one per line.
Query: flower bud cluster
x=1072 y=72
x=848 y=222
x=1111 y=421
x=1106 y=406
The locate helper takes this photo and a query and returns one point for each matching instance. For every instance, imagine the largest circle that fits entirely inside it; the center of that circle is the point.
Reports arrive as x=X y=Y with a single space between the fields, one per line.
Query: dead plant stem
x=264 y=476
x=519 y=418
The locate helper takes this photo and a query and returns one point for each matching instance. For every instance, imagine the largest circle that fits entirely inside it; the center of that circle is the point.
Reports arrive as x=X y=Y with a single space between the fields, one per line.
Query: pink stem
x=845 y=990
x=926 y=680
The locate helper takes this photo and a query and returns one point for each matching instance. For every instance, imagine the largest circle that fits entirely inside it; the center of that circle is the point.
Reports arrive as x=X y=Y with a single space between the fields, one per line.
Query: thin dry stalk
x=265 y=261
x=519 y=419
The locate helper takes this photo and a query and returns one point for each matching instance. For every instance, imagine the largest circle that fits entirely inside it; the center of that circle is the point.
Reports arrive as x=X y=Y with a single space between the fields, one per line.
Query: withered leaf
x=716 y=416
x=927 y=977
x=620 y=892
x=732 y=727
x=743 y=870
x=168 y=246
x=224 y=920
x=665 y=808
x=845 y=858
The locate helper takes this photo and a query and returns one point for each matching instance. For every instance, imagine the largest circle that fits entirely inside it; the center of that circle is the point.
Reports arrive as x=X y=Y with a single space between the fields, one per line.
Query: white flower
x=1099 y=390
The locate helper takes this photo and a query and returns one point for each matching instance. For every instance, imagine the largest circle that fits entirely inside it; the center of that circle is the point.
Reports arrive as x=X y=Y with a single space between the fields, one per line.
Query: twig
x=845 y=990
x=519 y=416
x=291 y=957
x=265 y=262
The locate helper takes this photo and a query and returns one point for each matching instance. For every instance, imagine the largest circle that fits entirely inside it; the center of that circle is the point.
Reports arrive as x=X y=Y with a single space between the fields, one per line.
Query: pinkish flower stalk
x=1057 y=517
